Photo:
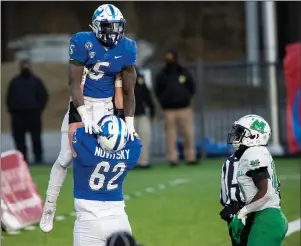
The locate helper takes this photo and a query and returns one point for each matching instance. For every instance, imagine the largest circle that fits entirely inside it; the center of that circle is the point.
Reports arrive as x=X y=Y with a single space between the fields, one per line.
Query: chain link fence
x=224 y=93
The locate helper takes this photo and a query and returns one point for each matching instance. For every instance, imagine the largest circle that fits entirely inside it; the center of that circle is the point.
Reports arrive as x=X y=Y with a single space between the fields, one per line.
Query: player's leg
x=57 y=177
x=269 y=228
x=88 y=233
x=117 y=223
x=171 y=136
x=101 y=108
x=187 y=127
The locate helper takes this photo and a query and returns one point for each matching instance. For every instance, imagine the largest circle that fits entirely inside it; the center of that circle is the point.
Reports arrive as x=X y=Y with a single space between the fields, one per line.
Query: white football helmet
x=108 y=24
x=114 y=134
x=250 y=130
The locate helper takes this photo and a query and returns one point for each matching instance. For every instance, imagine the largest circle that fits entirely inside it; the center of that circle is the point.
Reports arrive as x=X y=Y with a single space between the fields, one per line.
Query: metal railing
x=224 y=93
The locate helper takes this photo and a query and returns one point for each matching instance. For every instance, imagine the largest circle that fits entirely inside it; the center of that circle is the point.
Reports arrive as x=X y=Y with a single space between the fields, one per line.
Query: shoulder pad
x=130 y=45
x=83 y=38
x=82 y=35
x=256 y=157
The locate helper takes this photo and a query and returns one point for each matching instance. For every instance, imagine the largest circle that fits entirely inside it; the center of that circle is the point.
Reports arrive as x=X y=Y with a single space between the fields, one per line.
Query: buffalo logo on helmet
x=107 y=129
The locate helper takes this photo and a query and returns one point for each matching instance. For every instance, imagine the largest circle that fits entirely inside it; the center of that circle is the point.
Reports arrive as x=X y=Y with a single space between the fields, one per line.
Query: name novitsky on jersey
x=122 y=154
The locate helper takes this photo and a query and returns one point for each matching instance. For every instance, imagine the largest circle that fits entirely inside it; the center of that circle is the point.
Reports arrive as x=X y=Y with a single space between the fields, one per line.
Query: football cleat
x=46 y=222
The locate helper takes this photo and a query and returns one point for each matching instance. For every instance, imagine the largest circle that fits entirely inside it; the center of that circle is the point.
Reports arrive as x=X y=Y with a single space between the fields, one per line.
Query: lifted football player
x=105 y=52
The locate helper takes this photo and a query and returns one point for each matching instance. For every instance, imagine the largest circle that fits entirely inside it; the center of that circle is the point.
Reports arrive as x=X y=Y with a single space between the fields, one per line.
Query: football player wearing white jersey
x=258 y=182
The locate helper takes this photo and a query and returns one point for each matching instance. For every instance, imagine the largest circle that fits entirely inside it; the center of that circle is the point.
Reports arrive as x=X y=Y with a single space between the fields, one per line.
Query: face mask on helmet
x=109 y=33
x=237 y=134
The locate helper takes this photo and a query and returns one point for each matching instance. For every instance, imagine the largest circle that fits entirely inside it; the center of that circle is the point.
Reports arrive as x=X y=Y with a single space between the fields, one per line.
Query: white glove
x=90 y=126
x=129 y=121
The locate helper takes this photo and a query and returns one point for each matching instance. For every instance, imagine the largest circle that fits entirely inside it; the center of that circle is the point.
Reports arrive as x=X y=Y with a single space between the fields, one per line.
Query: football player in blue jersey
x=108 y=58
x=105 y=52
x=100 y=166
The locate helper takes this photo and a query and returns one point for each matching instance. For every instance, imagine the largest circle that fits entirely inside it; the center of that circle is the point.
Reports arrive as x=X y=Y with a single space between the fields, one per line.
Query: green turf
x=181 y=215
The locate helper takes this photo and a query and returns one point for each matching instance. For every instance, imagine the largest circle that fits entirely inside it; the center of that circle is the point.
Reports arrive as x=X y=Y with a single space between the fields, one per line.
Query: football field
x=166 y=206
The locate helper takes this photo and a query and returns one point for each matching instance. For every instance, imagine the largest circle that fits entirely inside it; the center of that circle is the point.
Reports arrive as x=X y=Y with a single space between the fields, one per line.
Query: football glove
x=131 y=130
x=238 y=223
x=90 y=126
x=227 y=213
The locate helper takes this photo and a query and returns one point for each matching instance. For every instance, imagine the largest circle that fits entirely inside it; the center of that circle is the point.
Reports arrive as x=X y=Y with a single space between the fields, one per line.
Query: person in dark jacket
x=26 y=99
x=174 y=89
x=144 y=113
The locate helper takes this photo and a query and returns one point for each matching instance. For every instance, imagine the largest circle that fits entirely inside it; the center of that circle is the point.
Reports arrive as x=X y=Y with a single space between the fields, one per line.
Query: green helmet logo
x=258 y=126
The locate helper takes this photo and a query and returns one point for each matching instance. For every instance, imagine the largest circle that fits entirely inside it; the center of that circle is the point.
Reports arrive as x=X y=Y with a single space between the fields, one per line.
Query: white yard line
x=126 y=198
x=290 y=177
x=293 y=227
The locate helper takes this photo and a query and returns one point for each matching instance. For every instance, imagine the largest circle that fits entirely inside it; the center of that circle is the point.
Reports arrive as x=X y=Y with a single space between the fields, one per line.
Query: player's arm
x=76 y=66
x=78 y=57
x=261 y=179
x=75 y=72
x=129 y=76
x=118 y=93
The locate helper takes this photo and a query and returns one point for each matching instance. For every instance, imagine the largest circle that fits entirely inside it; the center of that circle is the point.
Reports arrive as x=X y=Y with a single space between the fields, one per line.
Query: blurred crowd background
x=228 y=58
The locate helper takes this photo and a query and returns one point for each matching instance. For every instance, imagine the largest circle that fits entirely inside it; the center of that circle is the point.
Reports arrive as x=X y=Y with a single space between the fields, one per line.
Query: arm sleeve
x=256 y=158
x=77 y=51
x=223 y=195
x=132 y=55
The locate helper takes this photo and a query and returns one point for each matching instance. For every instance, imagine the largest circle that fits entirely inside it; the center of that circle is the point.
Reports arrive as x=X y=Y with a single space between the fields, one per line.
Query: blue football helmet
x=108 y=24
x=113 y=135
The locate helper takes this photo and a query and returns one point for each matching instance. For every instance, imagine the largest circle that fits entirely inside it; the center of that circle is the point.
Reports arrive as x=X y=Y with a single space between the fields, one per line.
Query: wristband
x=243 y=212
x=82 y=111
x=118 y=83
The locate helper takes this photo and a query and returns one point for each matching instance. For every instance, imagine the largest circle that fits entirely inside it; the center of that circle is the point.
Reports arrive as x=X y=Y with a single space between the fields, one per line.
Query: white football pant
x=96 y=221
x=96 y=108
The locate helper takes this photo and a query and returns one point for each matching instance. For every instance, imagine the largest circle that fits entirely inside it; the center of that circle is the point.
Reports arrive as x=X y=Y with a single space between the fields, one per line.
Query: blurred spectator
x=174 y=89
x=122 y=239
x=144 y=103
x=26 y=100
